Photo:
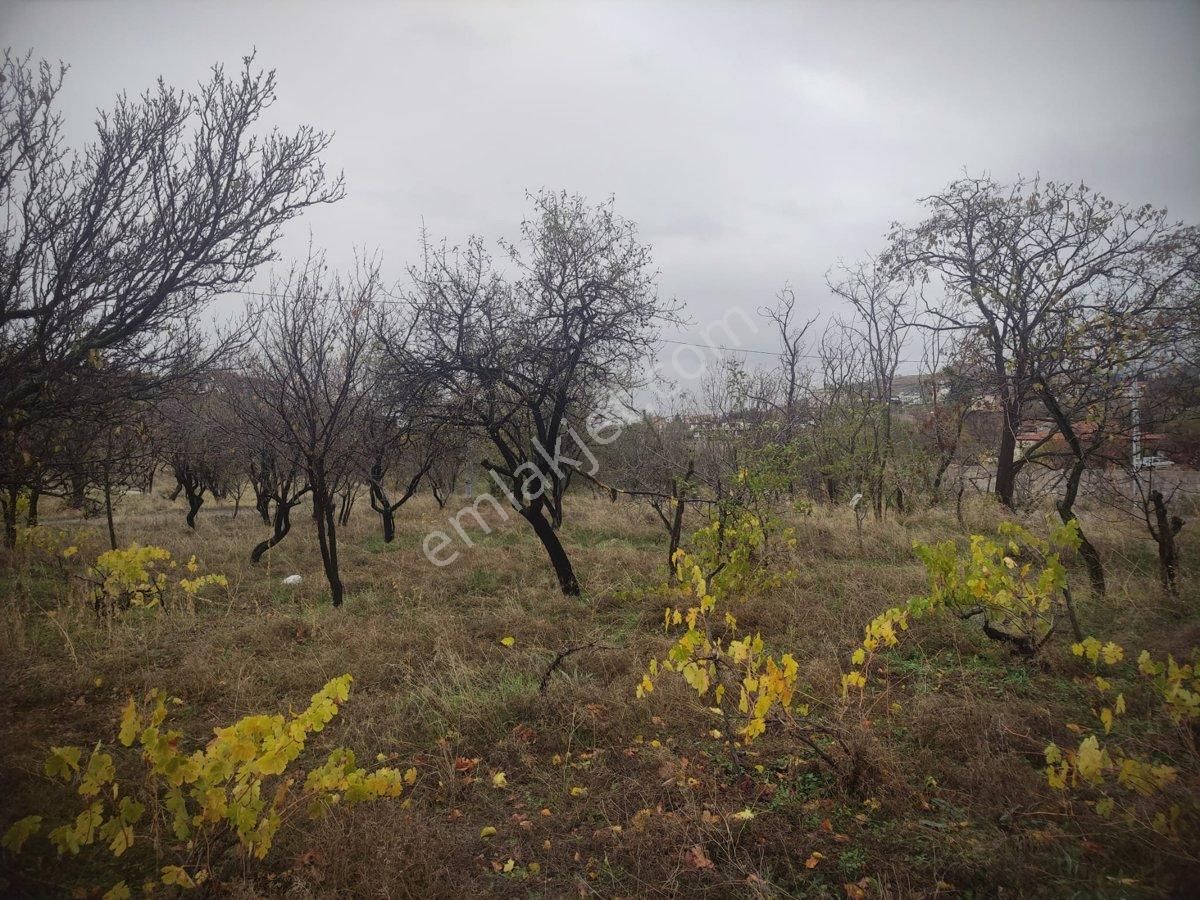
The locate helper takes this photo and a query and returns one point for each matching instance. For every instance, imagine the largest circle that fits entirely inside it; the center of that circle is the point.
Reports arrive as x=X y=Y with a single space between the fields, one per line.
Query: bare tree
x=308 y=367
x=257 y=435
x=880 y=301
x=949 y=389
x=841 y=406
x=400 y=445
x=450 y=455
x=655 y=460
x=199 y=464
x=108 y=253
x=523 y=361
x=1016 y=264
x=791 y=377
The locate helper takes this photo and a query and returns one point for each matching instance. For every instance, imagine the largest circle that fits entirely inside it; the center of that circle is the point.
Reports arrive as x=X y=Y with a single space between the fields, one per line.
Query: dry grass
x=948 y=795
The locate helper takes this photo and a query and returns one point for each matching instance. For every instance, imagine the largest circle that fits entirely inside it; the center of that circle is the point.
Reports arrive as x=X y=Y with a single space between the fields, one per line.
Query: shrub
x=744 y=682
x=190 y=809
x=1016 y=584
x=137 y=577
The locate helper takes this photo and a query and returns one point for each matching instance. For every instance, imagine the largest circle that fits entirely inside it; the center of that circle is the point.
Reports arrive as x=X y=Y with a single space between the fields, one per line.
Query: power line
x=393 y=300
x=774 y=353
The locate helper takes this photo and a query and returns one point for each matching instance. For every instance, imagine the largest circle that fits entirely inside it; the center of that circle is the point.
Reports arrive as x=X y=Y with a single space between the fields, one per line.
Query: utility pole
x=1136 y=417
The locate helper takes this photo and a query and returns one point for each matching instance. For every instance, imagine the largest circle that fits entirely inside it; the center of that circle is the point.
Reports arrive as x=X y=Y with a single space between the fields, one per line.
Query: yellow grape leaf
x=19 y=832
x=744 y=816
x=508 y=641
x=177 y=875
x=63 y=762
x=487 y=831
x=499 y=780
x=1091 y=760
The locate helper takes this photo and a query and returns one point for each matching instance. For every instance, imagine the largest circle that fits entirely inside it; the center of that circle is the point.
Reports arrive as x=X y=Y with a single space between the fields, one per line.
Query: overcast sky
x=754 y=143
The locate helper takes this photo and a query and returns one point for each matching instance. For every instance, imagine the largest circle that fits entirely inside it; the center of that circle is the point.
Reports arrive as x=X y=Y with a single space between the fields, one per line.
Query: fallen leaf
x=508 y=641
x=499 y=780
x=697 y=858
x=816 y=857
x=487 y=831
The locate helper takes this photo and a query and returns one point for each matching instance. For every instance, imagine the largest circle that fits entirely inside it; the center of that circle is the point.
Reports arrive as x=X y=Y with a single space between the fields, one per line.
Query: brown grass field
x=948 y=797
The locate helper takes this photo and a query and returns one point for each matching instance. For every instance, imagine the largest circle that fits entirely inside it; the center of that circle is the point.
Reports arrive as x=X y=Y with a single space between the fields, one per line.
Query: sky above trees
x=755 y=144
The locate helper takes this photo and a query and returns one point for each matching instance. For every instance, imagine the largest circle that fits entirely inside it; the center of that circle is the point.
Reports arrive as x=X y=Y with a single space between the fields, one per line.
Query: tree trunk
x=262 y=498
x=554 y=549
x=282 y=525
x=31 y=515
x=323 y=512
x=676 y=535
x=1066 y=506
x=10 y=516
x=1066 y=512
x=1167 y=527
x=347 y=504
x=1006 y=468
x=108 y=511
x=389 y=524
x=678 y=490
x=939 y=476
x=382 y=505
x=195 y=500
x=78 y=490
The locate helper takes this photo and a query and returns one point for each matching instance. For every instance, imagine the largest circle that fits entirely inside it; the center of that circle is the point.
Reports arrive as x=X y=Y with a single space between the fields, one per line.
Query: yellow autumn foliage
x=234 y=788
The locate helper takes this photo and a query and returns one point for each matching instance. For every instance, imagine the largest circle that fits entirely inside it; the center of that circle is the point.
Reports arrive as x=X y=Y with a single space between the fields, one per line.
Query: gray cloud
x=755 y=143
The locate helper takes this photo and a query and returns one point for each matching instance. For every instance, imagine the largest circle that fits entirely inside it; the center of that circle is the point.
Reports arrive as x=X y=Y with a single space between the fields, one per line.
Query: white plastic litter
x=293 y=579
